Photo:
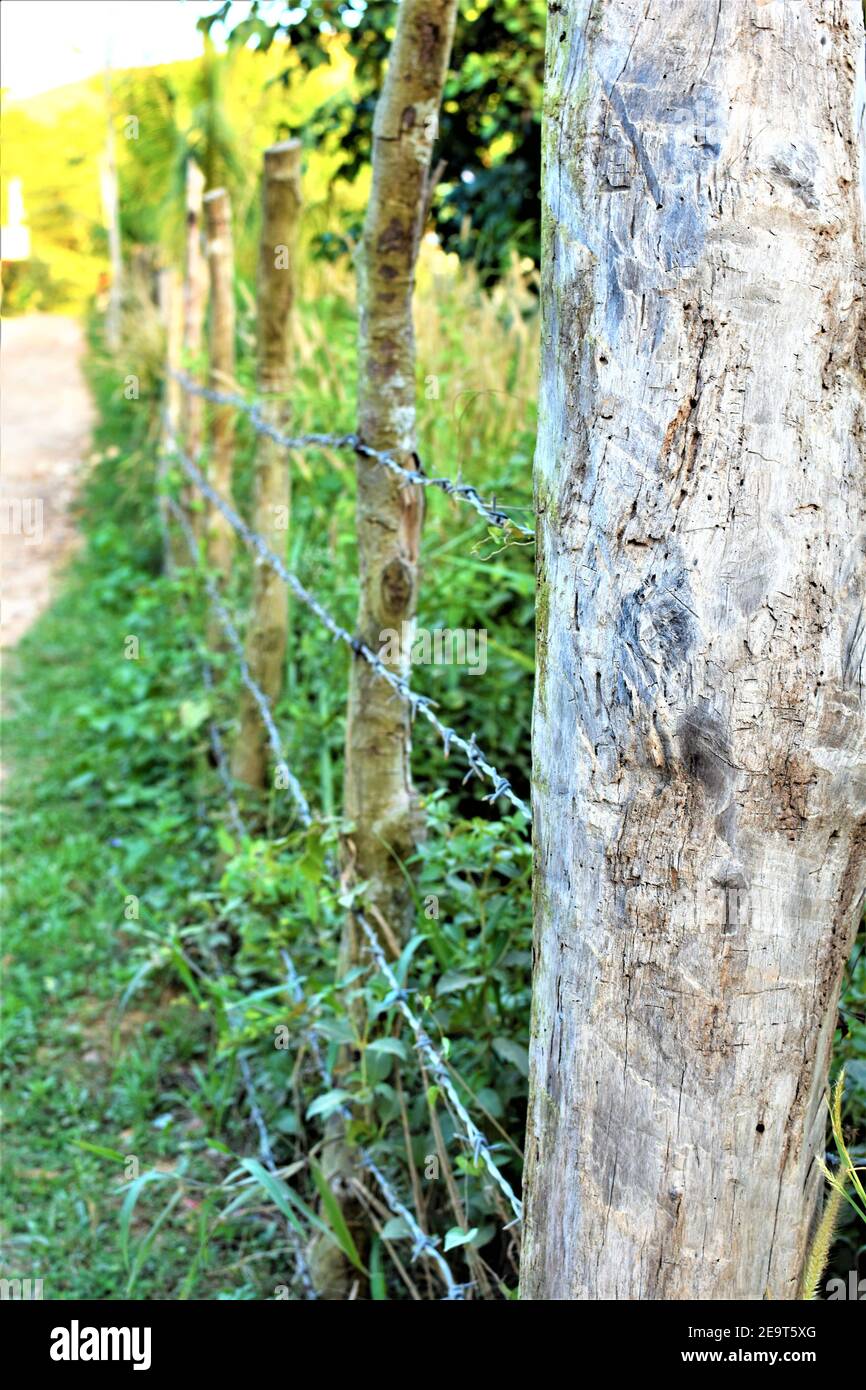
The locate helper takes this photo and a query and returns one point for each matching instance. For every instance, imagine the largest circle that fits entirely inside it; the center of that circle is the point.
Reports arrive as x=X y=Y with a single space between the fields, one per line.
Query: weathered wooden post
x=378 y=796
x=266 y=640
x=171 y=314
x=194 y=301
x=698 y=733
x=220 y=258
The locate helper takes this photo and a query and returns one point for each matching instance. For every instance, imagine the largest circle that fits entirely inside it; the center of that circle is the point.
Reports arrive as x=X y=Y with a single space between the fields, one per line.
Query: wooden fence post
x=194 y=300
x=378 y=796
x=266 y=640
x=220 y=257
x=378 y=793
x=171 y=314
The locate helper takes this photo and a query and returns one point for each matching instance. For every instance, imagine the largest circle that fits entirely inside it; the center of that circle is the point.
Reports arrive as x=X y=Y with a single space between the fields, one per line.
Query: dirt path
x=45 y=419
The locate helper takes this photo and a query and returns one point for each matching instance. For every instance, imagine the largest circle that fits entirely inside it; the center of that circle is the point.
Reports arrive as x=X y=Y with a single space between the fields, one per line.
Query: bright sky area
x=47 y=43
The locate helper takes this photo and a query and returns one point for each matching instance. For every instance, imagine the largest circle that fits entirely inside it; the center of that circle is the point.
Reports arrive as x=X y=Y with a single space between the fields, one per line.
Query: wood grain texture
x=220 y=259
x=194 y=304
x=378 y=796
x=268 y=623
x=698 y=725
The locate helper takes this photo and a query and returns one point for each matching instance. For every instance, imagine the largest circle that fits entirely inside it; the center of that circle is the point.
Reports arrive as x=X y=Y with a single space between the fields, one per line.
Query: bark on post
x=171 y=315
x=220 y=258
x=378 y=795
x=266 y=642
x=698 y=722
x=194 y=301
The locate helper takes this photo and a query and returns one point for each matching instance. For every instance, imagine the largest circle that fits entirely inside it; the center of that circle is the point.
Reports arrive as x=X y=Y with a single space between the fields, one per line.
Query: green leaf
x=133 y=1193
x=225 y=841
x=276 y=1189
x=512 y=1052
x=336 y=1218
x=193 y=713
x=402 y=965
x=454 y=980
x=389 y=1047
x=456 y=1237
x=99 y=1151
x=285 y=1199
x=219 y=1146
x=326 y=1105
x=145 y=1244
x=396 y=1229
x=378 y=1291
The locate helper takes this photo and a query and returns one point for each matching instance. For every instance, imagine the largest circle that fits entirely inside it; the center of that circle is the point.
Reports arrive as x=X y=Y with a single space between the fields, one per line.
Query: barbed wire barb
x=481 y=1148
x=459 y=491
x=423 y=704
x=280 y=764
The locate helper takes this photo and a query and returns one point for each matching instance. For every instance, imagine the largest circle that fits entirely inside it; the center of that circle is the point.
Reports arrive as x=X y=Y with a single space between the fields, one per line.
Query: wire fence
x=460 y=492
x=478 y=765
x=422 y=1243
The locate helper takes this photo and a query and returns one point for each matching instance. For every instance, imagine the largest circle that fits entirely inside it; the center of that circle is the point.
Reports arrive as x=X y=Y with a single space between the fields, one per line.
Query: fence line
x=423 y=1244
x=237 y=645
x=479 y=765
x=480 y=1146
x=461 y=492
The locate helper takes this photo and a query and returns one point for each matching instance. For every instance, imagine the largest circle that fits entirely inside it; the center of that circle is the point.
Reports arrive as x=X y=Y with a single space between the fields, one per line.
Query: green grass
x=127 y=1130
x=122 y=1033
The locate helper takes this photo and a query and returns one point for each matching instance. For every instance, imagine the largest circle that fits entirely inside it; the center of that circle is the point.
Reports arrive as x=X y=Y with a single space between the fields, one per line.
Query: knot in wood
x=396 y=586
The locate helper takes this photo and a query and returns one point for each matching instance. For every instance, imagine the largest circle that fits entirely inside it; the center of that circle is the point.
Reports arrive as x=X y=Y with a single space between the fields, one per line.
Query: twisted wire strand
x=481 y=1148
x=422 y=1243
x=478 y=764
x=231 y=632
x=461 y=492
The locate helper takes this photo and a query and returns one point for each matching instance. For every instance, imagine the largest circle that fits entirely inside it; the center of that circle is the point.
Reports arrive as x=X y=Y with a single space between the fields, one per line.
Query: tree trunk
x=377 y=793
x=194 y=300
x=698 y=721
x=266 y=642
x=378 y=796
x=220 y=257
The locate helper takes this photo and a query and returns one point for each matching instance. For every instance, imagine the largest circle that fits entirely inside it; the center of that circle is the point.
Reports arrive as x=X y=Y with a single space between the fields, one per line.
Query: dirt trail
x=46 y=416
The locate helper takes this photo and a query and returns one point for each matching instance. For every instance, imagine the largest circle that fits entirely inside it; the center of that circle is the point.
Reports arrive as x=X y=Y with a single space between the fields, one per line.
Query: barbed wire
x=479 y=765
x=422 y=1244
x=231 y=632
x=461 y=492
x=481 y=1148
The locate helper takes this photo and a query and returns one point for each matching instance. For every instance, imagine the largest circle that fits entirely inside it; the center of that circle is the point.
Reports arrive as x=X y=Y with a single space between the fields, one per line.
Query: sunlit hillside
x=225 y=109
